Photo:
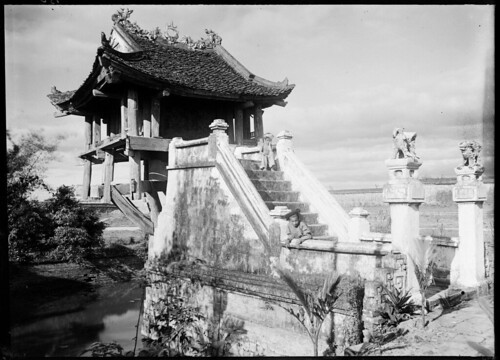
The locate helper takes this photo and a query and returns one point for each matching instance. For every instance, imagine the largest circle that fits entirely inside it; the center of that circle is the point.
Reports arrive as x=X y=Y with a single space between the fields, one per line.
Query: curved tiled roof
x=194 y=69
x=177 y=65
x=59 y=97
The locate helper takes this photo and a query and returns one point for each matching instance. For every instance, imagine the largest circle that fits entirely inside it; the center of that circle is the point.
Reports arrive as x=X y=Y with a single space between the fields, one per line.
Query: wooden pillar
x=134 y=160
x=246 y=124
x=238 y=125
x=114 y=124
x=109 y=164
x=257 y=122
x=87 y=165
x=133 y=110
x=155 y=117
x=124 y=116
x=134 y=157
x=97 y=129
x=146 y=118
x=229 y=121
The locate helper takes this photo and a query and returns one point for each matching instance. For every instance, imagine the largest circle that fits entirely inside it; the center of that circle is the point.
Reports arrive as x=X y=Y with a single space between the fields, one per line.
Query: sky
x=360 y=71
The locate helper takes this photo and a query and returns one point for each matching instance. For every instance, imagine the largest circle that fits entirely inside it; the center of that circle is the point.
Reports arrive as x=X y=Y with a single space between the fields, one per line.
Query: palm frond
x=301 y=295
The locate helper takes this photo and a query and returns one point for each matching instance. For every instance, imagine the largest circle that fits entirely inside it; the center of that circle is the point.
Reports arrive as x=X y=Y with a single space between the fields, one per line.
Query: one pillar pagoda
x=147 y=87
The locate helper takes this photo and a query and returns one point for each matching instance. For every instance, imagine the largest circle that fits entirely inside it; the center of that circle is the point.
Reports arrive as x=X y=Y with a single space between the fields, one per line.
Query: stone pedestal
x=404 y=193
x=278 y=214
x=467 y=267
x=358 y=224
x=284 y=143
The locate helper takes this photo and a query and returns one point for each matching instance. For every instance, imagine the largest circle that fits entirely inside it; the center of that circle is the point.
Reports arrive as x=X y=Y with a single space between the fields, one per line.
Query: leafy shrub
x=58 y=229
x=397 y=306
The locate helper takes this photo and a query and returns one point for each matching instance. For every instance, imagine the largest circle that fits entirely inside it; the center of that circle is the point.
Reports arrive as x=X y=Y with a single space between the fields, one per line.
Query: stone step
x=265 y=174
x=285 y=196
x=292 y=205
x=272 y=185
x=250 y=164
x=309 y=218
x=318 y=229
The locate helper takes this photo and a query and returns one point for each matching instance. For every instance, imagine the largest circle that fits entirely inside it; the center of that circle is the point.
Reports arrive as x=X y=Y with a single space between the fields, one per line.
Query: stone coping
x=356 y=248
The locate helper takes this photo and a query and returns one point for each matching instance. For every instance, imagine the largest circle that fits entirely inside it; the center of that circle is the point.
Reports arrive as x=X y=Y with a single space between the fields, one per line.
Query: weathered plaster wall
x=202 y=220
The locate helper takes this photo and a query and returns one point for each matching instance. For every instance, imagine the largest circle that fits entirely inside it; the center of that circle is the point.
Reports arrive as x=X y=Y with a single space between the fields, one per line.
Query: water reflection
x=112 y=316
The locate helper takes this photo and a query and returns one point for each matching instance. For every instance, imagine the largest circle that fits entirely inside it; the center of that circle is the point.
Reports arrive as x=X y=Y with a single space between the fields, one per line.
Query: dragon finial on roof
x=121 y=15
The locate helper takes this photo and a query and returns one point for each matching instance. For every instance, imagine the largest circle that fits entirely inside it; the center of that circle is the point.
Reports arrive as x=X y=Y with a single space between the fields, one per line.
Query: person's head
x=268 y=137
x=294 y=220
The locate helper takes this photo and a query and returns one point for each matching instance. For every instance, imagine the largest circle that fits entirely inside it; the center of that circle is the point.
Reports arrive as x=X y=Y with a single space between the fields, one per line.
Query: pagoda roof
x=202 y=68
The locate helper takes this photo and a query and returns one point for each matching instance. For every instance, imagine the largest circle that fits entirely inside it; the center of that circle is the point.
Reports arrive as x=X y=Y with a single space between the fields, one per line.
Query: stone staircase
x=275 y=191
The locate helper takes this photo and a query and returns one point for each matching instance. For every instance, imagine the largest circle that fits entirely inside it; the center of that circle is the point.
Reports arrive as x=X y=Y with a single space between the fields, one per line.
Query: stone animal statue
x=470 y=153
x=404 y=144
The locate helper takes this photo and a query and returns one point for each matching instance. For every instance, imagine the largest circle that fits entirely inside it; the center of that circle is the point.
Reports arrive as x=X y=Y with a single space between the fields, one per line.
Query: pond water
x=111 y=315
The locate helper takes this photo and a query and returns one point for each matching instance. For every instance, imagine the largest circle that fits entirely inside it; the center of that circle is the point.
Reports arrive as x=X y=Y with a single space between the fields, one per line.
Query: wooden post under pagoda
x=146 y=119
x=246 y=124
x=87 y=164
x=155 y=117
x=124 y=117
x=134 y=157
x=238 y=125
x=230 y=129
x=97 y=130
x=257 y=122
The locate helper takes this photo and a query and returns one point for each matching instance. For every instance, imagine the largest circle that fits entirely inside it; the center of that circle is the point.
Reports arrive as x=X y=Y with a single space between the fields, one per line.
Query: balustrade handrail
x=189 y=143
x=329 y=210
x=244 y=192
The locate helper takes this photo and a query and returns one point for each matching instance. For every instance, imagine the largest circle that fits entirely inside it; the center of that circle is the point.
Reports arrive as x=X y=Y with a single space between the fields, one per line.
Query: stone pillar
x=218 y=128
x=284 y=143
x=467 y=267
x=404 y=193
x=358 y=224
x=109 y=165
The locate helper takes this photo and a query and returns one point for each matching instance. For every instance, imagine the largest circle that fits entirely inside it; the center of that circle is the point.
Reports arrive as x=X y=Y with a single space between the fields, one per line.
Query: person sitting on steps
x=266 y=151
x=297 y=230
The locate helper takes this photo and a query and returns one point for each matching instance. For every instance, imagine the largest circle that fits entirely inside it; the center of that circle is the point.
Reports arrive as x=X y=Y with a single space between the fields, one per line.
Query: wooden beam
x=247 y=105
x=133 y=109
x=163 y=93
x=97 y=130
x=99 y=93
x=155 y=117
x=124 y=116
x=238 y=125
x=146 y=119
x=147 y=144
x=281 y=103
x=59 y=114
x=129 y=209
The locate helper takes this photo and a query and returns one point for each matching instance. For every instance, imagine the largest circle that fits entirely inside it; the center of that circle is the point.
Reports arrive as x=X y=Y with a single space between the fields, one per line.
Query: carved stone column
x=404 y=193
x=218 y=135
x=467 y=267
x=284 y=143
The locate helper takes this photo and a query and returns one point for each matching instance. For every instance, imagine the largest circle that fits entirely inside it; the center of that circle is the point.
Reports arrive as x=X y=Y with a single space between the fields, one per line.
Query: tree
x=59 y=228
x=26 y=220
